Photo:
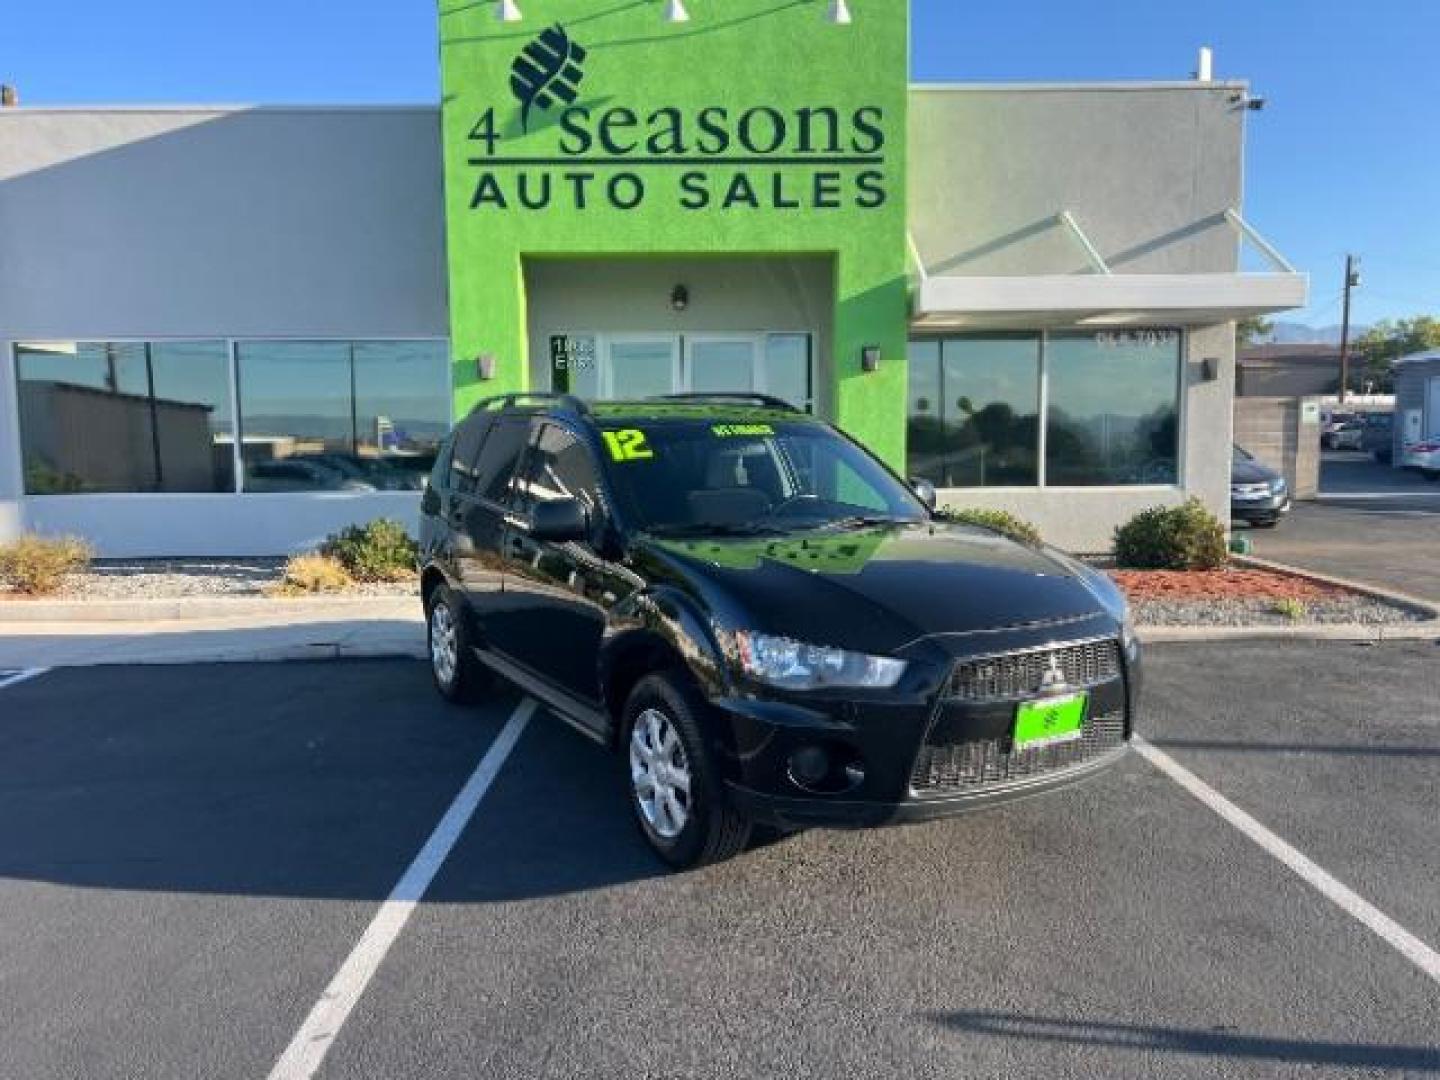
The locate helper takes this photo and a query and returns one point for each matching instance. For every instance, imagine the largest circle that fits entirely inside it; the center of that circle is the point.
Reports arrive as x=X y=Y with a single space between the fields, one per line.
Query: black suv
x=764 y=621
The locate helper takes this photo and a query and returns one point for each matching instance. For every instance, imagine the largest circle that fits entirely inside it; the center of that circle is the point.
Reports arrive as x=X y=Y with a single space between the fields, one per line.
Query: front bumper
x=915 y=755
x=791 y=812
x=1270 y=508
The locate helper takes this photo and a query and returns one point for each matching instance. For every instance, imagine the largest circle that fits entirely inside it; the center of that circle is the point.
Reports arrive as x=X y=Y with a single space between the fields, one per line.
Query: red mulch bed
x=1232 y=584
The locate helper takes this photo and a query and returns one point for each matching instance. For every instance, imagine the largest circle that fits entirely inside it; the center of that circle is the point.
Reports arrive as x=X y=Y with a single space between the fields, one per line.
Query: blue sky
x=1346 y=155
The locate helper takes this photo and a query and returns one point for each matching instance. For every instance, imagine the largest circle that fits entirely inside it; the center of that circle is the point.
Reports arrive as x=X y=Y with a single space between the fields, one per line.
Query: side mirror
x=925 y=491
x=559 y=521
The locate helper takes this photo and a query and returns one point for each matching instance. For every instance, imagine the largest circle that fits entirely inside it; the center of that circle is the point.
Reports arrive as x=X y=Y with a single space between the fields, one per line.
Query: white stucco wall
x=214 y=223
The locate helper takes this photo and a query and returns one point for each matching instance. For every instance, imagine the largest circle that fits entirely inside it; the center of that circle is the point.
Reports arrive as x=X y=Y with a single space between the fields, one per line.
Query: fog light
x=809 y=766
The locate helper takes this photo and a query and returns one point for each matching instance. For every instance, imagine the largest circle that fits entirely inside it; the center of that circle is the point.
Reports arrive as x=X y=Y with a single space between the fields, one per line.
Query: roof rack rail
x=510 y=401
x=738 y=397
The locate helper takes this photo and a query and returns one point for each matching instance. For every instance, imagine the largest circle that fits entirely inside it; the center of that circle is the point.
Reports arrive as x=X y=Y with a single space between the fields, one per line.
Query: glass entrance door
x=720 y=364
x=639 y=367
x=626 y=366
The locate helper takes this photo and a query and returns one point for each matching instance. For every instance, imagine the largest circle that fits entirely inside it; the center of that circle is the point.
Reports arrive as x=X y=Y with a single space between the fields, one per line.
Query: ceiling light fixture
x=840 y=13
x=675 y=11
x=508 y=11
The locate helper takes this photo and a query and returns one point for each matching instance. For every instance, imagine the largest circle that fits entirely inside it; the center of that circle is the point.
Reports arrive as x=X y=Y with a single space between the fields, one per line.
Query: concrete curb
x=276 y=655
x=1352 y=632
x=1414 y=604
x=181 y=609
x=1428 y=629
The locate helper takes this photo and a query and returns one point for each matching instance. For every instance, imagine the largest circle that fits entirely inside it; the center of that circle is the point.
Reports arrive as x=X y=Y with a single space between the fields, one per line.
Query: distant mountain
x=1293 y=333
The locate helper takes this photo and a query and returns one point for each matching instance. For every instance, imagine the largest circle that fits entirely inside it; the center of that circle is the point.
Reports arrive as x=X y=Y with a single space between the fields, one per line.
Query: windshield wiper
x=864 y=521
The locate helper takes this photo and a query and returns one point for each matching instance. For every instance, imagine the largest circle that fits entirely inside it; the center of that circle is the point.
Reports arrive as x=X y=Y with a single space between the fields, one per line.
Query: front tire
x=458 y=675
x=674 y=788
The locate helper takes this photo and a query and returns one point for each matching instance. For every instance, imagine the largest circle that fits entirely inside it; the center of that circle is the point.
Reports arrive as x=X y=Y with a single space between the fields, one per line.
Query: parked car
x=763 y=620
x=1345 y=435
x=1424 y=458
x=1258 y=494
x=299 y=474
x=1378 y=437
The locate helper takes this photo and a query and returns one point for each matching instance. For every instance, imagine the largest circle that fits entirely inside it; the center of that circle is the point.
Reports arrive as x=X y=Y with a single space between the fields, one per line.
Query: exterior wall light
x=485 y=366
x=680 y=297
x=508 y=11
x=840 y=13
x=675 y=11
x=870 y=359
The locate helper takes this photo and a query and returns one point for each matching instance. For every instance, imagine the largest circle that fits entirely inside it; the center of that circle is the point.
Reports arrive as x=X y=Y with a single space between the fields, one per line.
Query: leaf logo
x=546 y=69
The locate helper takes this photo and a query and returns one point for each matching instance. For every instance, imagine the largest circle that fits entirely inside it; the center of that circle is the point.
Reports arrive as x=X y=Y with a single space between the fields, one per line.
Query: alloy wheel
x=660 y=774
x=444 y=644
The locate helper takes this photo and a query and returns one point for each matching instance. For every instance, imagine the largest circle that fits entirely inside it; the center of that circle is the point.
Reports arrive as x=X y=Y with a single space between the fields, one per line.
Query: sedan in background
x=1378 y=436
x=1345 y=435
x=1259 y=495
x=1424 y=458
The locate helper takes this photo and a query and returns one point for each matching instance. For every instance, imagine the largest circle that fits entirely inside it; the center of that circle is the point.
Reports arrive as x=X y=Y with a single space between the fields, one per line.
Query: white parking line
x=1342 y=496
x=303 y=1057
x=16 y=678
x=1345 y=898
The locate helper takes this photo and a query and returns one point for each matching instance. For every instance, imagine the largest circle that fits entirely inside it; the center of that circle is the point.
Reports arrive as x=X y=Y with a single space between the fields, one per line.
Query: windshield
x=698 y=477
x=1241 y=454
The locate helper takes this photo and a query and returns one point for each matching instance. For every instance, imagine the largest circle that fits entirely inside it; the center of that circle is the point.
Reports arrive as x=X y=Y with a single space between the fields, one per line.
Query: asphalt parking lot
x=189 y=855
x=1372 y=523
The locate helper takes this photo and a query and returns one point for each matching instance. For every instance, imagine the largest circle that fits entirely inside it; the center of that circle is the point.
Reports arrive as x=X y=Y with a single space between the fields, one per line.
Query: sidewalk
x=247 y=631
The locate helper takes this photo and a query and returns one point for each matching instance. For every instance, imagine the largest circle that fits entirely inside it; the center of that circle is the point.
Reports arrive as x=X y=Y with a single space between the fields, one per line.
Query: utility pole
x=1352 y=279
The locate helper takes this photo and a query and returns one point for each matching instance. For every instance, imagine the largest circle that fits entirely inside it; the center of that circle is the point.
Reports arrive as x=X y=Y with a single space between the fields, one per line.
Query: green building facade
x=597 y=134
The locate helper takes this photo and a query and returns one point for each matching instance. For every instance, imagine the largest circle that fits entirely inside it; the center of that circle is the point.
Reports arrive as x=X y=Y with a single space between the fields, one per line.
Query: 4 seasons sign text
x=716 y=157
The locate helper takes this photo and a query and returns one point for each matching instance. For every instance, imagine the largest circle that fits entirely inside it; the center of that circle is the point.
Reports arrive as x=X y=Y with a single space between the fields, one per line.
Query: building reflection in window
x=125 y=417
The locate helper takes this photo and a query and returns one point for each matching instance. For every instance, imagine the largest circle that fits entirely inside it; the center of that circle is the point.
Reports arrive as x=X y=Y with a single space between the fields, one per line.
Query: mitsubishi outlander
x=761 y=619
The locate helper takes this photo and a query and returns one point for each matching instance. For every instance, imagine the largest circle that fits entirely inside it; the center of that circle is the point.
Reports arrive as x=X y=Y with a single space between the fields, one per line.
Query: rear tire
x=671 y=780
x=458 y=675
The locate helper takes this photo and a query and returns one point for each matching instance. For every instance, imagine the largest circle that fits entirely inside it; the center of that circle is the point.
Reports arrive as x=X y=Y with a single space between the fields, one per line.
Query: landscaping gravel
x=1259 y=612
x=169 y=579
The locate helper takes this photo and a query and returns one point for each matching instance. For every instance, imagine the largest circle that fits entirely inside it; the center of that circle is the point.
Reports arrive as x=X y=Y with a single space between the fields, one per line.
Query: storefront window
x=787 y=370
x=1112 y=416
x=1113 y=408
x=341 y=416
x=125 y=417
x=974 y=410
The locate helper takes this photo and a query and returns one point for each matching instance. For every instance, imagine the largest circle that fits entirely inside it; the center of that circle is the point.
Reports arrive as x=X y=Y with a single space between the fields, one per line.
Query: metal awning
x=1103 y=298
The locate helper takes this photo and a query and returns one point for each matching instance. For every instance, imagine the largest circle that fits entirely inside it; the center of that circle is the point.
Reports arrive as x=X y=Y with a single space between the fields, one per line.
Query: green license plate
x=1050 y=720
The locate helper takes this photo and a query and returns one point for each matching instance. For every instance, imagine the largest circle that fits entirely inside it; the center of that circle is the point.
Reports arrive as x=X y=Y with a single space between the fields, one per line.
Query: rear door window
x=468 y=439
x=495 y=467
x=440 y=471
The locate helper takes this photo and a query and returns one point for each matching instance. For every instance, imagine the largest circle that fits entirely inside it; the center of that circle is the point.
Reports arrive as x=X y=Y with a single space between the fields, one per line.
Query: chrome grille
x=1014 y=675
x=967 y=766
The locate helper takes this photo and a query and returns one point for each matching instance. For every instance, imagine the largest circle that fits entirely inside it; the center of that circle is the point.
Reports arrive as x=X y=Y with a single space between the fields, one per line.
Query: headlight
x=1277 y=485
x=793 y=665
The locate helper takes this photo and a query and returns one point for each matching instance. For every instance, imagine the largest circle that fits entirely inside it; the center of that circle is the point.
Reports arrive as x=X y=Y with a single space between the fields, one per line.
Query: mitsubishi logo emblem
x=1053 y=678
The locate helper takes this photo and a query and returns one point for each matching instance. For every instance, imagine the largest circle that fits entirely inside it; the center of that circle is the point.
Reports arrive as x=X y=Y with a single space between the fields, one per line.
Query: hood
x=1251 y=472
x=877 y=589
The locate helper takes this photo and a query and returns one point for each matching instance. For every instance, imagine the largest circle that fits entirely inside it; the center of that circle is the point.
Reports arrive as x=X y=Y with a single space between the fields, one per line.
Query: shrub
x=37 y=565
x=1291 y=608
x=307 y=574
x=1001 y=521
x=1186 y=537
x=379 y=551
